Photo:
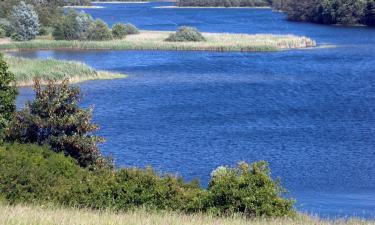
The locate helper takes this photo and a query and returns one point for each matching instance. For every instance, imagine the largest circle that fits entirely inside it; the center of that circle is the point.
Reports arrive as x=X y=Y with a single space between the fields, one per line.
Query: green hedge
x=34 y=174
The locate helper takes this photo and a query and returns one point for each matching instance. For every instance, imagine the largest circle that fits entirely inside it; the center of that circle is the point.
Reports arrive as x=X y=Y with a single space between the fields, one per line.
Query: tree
x=99 y=31
x=8 y=93
x=25 y=21
x=55 y=118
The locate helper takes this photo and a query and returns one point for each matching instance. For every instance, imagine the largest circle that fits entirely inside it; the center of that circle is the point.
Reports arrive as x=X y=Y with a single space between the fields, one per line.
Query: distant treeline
x=345 y=12
x=224 y=3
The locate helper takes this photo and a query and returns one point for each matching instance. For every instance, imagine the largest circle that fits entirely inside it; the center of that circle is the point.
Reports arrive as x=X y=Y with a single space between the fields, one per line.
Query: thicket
x=223 y=3
x=35 y=174
x=186 y=34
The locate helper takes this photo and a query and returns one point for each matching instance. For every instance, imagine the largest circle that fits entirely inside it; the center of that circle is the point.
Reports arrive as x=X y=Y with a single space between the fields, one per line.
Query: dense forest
x=224 y=3
x=345 y=12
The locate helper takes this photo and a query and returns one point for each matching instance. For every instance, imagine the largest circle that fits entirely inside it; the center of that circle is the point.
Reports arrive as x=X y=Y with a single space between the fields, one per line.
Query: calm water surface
x=309 y=113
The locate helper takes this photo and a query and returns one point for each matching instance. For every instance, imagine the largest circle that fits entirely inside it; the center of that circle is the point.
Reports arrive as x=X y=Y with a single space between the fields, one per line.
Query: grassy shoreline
x=49 y=215
x=25 y=70
x=154 y=40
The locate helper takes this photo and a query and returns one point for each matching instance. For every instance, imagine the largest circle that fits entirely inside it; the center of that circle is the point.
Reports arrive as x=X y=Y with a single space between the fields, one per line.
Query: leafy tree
x=25 y=21
x=84 y=22
x=369 y=13
x=99 y=31
x=131 y=29
x=8 y=93
x=66 y=28
x=56 y=119
x=6 y=26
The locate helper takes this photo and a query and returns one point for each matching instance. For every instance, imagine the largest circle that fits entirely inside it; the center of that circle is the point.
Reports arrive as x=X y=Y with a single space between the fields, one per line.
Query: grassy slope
x=26 y=69
x=22 y=215
x=154 y=40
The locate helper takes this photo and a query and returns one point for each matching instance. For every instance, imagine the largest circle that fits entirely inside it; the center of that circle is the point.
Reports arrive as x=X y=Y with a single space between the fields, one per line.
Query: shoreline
x=83 y=7
x=154 y=40
x=210 y=7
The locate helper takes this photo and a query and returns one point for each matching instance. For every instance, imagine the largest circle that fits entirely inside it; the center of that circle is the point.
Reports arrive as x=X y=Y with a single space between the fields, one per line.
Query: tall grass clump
x=186 y=34
x=25 y=70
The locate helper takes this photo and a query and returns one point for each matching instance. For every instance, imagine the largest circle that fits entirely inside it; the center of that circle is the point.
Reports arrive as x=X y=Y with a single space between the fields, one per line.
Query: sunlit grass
x=26 y=70
x=154 y=40
x=47 y=215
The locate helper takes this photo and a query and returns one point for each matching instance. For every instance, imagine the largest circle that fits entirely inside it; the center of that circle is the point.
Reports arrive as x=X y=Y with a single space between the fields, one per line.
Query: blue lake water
x=309 y=113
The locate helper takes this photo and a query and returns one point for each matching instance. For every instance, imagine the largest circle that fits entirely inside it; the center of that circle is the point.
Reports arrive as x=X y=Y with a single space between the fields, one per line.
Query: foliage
x=131 y=29
x=346 y=12
x=30 y=173
x=2 y=33
x=56 y=119
x=25 y=21
x=99 y=31
x=186 y=34
x=6 y=26
x=43 y=31
x=223 y=3
x=247 y=189
x=119 y=31
x=8 y=95
x=72 y=26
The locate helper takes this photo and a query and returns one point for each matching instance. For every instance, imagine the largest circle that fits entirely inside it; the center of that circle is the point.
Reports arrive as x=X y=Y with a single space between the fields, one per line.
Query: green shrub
x=186 y=34
x=30 y=173
x=72 y=26
x=8 y=93
x=6 y=26
x=56 y=119
x=25 y=21
x=119 y=31
x=131 y=29
x=2 y=33
x=43 y=31
x=248 y=190
x=99 y=31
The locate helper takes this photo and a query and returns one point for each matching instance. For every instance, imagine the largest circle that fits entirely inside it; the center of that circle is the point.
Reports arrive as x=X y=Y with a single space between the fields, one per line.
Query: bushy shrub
x=6 y=26
x=25 y=21
x=72 y=26
x=131 y=29
x=119 y=31
x=99 y=31
x=55 y=118
x=186 y=34
x=248 y=190
x=43 y=31
x=8 y=93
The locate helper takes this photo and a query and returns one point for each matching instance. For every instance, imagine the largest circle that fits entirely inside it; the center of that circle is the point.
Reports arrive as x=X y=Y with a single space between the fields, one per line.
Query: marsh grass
x=154 y=40
x=26 y=70
x=49 y=215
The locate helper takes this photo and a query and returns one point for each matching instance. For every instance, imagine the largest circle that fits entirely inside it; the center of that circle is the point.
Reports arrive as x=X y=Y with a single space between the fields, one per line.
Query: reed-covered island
x=155 y=40
x=26 y=70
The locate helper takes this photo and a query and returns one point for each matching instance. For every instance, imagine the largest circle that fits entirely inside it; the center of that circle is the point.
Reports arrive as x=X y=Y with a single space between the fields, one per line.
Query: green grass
x=154 y=40
x=26 y=70
x=49 y=215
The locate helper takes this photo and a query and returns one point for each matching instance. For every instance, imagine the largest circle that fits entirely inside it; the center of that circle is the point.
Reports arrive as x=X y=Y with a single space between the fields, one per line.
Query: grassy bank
x=154 y=40
x=32 y=215
x=26 y=69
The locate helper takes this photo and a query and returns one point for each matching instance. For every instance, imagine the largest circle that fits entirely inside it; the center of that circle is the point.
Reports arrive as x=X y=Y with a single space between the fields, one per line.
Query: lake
x=309 y=113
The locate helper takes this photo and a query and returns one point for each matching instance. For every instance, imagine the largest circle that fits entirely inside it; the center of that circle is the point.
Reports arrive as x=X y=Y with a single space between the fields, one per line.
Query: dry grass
x=31 y=215
x=25 y=70
x=154 y=40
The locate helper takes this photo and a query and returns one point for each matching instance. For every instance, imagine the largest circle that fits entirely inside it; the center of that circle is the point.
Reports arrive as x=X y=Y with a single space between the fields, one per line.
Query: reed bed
x=25 y=70
x=154 y=40
x=48 y=215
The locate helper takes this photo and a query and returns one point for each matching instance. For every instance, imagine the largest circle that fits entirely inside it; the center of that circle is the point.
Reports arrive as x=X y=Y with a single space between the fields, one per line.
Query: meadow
x=155 y=40
x=25 y=70
x=50 y=215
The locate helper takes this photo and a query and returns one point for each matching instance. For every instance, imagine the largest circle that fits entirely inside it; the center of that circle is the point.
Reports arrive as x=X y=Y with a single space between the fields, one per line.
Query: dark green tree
x=99 y=31
x=55 y=118
x=8 y=93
